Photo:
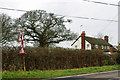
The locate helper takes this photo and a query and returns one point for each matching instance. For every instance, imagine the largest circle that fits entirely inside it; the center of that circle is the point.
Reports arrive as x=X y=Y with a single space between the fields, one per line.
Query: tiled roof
x=92 y=40
x=97 y=41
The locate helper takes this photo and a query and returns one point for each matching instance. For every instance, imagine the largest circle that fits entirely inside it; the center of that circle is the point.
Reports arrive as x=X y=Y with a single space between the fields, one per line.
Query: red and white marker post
x=21 y=50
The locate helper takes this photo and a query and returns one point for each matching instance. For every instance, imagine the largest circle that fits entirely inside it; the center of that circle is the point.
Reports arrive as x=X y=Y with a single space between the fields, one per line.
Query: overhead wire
x=108 y=24
x=62 y=15
x=102 y=3
x=13 y=9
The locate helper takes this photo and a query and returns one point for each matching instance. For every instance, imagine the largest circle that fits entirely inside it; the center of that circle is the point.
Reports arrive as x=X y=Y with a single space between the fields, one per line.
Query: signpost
x=21 y=50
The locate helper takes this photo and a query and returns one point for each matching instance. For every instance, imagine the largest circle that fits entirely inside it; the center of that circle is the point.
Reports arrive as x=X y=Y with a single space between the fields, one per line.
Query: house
x=88 y=43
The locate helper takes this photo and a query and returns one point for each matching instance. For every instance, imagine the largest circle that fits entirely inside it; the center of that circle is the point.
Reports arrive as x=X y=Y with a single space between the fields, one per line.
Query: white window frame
x=96 y=46
x=88 y=45
x=103 y=46
x=76 y=46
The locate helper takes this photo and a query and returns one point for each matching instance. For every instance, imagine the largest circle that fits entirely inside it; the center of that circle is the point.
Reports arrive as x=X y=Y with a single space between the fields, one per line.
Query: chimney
x=106 y=38
x=83 y=40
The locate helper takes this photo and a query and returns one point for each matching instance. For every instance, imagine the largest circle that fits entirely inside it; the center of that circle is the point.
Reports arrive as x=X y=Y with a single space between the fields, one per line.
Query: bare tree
x=7 y=30
x=44 y=28
x=100 y=35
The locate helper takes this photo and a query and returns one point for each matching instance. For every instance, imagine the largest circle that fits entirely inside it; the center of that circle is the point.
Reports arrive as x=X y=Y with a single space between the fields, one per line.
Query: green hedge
x=54 y=58
x=118 y=58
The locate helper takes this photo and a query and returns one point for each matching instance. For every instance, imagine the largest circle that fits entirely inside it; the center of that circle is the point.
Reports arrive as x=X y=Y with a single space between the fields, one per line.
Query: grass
x=57 y=73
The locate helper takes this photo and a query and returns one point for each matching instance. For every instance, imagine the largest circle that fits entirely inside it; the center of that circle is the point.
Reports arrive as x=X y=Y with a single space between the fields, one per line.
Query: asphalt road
x=110 y=75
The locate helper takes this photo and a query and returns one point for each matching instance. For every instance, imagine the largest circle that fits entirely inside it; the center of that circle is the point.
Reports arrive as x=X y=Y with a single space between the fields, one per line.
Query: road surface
x=109 y=75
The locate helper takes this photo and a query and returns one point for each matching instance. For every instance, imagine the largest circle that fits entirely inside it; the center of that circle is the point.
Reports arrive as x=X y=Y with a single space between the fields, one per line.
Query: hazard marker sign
x=21 y=51
x=21 y=37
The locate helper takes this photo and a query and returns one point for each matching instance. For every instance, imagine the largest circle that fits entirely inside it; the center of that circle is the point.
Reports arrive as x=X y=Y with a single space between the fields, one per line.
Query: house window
x=75 y=46
x=88 y=45
x=108 y=47
x=102 y=47
x=96 y=46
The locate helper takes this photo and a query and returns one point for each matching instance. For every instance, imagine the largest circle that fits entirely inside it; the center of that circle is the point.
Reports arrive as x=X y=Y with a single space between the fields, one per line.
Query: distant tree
x=118 y=46
x=100 y=35
x=5 y=26
x=7 y=30
x=44 y=28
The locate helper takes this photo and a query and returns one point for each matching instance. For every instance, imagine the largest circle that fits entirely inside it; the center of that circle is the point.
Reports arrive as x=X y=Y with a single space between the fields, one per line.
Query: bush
x=118 y=58
x=54 y=58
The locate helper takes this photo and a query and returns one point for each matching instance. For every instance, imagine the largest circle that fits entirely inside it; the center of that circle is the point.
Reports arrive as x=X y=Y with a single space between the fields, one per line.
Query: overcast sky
x=73 y=8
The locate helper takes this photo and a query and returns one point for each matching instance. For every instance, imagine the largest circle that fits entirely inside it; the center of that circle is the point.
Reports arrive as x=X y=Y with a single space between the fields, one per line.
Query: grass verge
x=57 y=73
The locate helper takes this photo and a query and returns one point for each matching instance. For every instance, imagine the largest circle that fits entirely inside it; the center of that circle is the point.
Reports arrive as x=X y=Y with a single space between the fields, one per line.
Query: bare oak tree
x=44 y=28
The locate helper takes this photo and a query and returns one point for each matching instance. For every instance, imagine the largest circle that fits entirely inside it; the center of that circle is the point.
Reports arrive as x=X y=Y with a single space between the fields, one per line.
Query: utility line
x=62 y=15
x=88 y=18
x=108 y=24
x=13 y=9
x=102 y=3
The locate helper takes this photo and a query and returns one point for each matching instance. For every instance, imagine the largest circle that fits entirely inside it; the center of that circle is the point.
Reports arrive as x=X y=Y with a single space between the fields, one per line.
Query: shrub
x=118 y=58
x=54 y=58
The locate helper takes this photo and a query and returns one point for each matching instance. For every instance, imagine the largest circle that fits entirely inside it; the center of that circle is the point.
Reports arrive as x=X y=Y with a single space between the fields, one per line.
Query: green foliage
x=118 y=58
x=106 y=62
x=54 y=58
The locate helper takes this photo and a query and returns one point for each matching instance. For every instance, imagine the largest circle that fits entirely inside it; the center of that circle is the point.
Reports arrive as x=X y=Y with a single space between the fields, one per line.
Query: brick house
x=88 y=43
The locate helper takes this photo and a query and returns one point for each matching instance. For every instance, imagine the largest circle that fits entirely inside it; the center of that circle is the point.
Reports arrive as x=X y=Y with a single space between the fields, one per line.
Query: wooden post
x=23 y=60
